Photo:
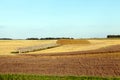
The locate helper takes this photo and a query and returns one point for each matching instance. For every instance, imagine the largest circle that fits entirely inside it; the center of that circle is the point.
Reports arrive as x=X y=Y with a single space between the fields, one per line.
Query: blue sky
x=59 y=18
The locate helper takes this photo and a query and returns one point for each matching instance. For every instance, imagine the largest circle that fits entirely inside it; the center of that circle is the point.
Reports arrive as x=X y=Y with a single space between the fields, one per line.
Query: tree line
x=47 y=38
x=113 y=36
x=5 y=38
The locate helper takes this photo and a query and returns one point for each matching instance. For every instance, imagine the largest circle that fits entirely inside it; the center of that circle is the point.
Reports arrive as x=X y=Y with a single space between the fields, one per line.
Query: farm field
x=7 y=46
x=105 y=65
x=102 y=59
x=94 y=44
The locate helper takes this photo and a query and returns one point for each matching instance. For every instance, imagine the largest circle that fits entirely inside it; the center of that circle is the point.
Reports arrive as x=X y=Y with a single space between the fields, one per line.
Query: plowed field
x=105 y=63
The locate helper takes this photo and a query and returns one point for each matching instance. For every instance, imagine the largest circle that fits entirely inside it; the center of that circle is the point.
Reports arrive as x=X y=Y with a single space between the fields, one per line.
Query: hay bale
x=72 y=41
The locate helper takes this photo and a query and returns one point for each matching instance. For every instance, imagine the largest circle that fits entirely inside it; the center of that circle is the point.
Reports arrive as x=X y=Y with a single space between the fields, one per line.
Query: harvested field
x=8 y=46
x=107 y=64
x=94 y=44
x=101 y=59
x=109 y=49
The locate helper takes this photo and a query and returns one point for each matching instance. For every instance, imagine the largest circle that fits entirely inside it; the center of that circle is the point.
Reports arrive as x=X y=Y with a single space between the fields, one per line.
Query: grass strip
x=38 y=77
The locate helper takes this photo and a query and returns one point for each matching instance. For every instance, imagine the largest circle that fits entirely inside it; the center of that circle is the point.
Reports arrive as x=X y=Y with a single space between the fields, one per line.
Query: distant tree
x=52 y=38
x=32 y=39
x=6 y=39
x=113 y=36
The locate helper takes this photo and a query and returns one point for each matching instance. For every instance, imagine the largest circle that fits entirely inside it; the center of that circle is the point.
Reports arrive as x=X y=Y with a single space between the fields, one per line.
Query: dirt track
x=107 y=64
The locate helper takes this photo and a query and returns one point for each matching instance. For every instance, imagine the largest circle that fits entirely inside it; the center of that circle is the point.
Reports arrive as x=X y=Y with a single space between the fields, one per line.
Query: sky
x=21 y=19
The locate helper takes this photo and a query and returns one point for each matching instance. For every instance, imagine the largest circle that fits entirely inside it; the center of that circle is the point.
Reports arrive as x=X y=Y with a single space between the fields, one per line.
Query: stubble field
x=7 y=46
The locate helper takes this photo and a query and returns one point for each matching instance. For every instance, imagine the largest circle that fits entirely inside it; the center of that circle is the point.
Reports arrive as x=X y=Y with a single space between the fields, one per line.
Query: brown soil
x=107 y=64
